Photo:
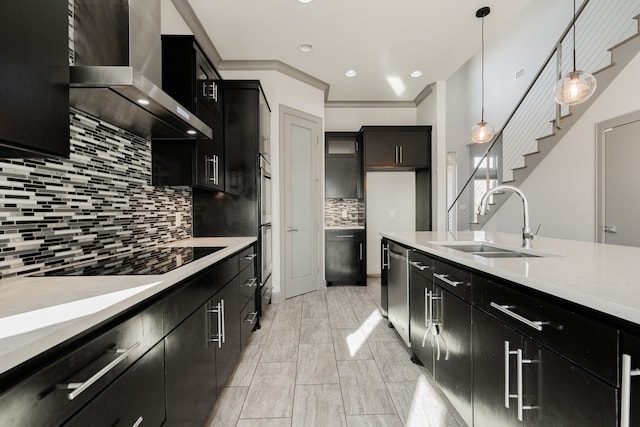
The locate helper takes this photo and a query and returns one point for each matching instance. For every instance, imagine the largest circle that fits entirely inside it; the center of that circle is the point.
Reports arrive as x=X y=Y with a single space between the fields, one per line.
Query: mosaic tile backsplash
x=56 y=211
x=334 y=208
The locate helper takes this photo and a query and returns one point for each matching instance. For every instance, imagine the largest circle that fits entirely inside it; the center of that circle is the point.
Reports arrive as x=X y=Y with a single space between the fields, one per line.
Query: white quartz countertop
x=602 y=277
x=37 y=313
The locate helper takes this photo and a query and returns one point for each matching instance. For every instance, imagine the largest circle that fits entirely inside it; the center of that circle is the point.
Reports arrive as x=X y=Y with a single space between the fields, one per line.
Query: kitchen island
x=546 y=336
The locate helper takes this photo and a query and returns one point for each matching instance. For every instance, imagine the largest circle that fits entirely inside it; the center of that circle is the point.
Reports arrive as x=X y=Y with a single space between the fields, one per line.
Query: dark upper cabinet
x=34 y=79
x=344 y=256
x=198 y=163
x=396 y=147
x=190 y=78
x=343 y=166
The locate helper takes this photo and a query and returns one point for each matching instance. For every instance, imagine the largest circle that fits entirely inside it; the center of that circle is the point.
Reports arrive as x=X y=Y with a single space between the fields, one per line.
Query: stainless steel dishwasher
x=398 y=290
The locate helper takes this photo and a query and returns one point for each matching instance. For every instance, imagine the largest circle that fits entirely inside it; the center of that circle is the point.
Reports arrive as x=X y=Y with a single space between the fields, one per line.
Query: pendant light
x=483 y=131
x=576 y=86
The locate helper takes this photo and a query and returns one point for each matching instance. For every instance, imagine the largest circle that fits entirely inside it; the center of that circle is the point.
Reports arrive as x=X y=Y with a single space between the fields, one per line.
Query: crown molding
x=202 y=37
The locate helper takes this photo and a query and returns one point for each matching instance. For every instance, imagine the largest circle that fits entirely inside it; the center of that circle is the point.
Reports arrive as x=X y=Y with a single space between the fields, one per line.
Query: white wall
x=171 y=21
x=351 y=119
x=280 y=90
x=561 y=190
x=391 y=206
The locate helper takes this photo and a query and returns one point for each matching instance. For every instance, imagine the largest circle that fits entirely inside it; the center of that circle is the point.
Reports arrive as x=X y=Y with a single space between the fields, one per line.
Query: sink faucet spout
x=527 y=237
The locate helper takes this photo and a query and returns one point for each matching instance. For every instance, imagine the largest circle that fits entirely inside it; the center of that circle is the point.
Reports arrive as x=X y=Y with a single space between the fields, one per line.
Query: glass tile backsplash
x=344 y=213
x=56 y=211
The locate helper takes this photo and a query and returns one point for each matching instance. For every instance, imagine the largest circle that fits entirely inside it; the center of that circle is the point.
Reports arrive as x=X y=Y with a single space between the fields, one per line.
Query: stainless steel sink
x=489 y=251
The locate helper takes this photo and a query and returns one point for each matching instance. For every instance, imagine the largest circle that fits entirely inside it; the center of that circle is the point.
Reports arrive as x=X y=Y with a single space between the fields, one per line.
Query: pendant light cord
x=574 y=36
x=482 y=72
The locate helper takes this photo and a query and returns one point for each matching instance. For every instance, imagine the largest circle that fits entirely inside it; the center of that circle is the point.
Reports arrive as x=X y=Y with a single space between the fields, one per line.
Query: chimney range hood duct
x=118 y=70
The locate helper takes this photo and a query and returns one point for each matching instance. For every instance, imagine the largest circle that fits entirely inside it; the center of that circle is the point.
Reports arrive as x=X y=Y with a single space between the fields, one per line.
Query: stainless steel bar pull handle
x=521 y=406
x=138 y=422
x=345 y=236
x=250 y=283
x=218 y=335
x=361 y=250
x=251 y=317
x=78 y=388
x=625 y=390
x=385 y=257
x=446 y=280
x=292 y=229
x=224 y=329
x=214 y=93
x=506 y=309
x=507 y=354
x=401 y=155
x=249 y=257
x=420 y=266
x=397 y=158
x=427 y=315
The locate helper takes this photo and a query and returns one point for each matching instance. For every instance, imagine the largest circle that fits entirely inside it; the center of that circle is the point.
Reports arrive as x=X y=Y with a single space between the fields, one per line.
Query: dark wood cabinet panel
x=344 y=256
x=420 y=288
x=343 y=178
x=34 y=79
x=198 y=163
x=191 y=369
x=630 y=384
x=228 y=351
x=135 y=398
x=396 y=147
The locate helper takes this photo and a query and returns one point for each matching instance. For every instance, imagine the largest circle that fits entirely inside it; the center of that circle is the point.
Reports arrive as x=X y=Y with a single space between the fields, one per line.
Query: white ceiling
x=384 y=41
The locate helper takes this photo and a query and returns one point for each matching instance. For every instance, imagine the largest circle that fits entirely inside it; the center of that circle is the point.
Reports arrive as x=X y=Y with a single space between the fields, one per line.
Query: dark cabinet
x=34 y=79
x=343 y=166
x=135 y=399
x=191 y=368
x=190 y=78
x=558 y=367
x=440 y=330
x=198 y=163
x=397 y=147
x=226 y=327
x=344 y=256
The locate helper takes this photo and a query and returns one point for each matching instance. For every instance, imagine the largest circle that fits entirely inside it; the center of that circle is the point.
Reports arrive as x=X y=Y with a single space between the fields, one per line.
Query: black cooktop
x=144 y=261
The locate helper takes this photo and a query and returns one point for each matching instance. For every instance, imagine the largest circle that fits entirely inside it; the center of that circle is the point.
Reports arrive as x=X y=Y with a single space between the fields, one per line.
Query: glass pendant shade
x=482 y=132
x=574 y=88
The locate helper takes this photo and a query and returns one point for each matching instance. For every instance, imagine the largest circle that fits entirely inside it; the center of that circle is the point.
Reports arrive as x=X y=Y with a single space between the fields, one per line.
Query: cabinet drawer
x=248 y=320
x=591 y=344
x=43 y=398
x=248 y=282
x=453 y=278
x=247 y=257
x=194 y=292
x=135 y=397
x=421 y=264
x=345 y=235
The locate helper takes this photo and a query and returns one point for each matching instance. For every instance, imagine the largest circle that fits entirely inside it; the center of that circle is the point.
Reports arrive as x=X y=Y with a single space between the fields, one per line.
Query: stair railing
x=600 y=24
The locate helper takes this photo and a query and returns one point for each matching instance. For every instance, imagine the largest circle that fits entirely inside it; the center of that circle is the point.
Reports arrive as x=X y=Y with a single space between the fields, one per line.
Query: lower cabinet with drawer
x=506 y=355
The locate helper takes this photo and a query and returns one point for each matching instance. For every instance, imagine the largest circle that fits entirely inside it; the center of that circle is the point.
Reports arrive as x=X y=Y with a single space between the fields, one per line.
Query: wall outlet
x=344 y=214
x=178 y=219
x=392 y=214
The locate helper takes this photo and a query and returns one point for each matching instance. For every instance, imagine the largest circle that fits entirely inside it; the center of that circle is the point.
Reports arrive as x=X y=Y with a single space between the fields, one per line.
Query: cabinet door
x=191 y=369
x=415 y=148
x=491 y=405
x=563 y=394
x=135 y=398
x=344 y=256
x=208 y=164
x=384 y=277
x=342 y=178
x=451 y=324
x=420 y=290
x=381 y=148
x=228 y=352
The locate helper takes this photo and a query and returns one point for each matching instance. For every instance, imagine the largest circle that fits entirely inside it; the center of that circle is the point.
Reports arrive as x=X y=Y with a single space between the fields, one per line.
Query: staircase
x=538 y=124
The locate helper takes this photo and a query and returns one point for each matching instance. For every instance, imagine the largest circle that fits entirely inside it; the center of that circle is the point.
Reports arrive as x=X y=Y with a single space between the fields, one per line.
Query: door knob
x=609 y=229
x=292 y=229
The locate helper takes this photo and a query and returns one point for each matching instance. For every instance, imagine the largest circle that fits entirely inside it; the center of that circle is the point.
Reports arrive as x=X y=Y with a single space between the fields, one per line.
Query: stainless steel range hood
x=118 y=70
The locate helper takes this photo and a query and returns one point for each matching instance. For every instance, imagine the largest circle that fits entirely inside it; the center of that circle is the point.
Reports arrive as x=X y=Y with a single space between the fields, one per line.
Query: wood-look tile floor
x=328 y=358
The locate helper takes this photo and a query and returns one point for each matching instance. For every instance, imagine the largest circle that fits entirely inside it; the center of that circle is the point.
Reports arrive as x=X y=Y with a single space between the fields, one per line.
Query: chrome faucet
x=527 y=237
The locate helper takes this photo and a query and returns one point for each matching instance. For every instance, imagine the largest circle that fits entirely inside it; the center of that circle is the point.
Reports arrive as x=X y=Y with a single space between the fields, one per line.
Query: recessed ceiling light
x=143 y=101
x=191 y=132
x=305 y=47
x=416 y=73
x=351 y=73
x=305 y=1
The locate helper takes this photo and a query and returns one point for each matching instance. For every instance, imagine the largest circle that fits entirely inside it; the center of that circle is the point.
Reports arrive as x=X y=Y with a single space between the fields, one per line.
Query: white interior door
x=621 y=177
x=301 y=211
